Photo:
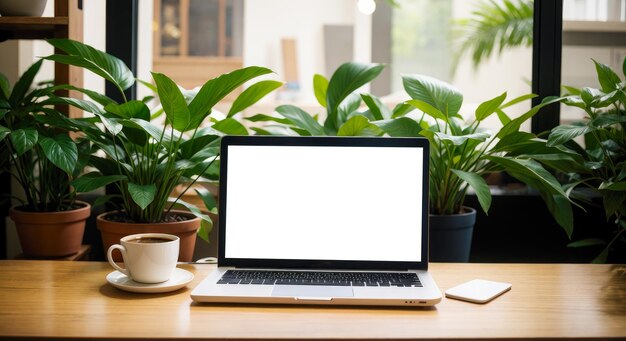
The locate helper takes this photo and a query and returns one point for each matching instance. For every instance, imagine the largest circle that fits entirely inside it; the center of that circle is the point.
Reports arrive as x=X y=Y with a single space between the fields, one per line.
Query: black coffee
x=144 y=240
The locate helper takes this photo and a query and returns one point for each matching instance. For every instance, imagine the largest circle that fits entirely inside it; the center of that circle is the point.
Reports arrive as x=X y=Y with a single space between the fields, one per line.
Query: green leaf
x=301 y=119
x=504 y=119
x=206 y=225
x=4 y=132
x=151 y=129
x=613 y=186
x=587 y=242
x=346 y=79
x=95 y=180
x=459 y=140
x=377 y=108
x=515 y=124
x=588 y=95
x=487 y=108
x=130 y=109
x=110 y=124
x=602 y=257
x=267 y=118
x=427 y=109
x=440 y=95
x=61 y=151
x=207 y=198
x=230 y=126
x=216 y=89
x=609 y=80
x=358 y=126
x=401 y=109
x=563 y=133
x=532 y=173
x=173 y=102
x=142 y=195
x=401 y=127
x=24 y=140
x=348 y=108
x=517 y=100
x=77 y=103
x=5 y=87
x=320 y=87
x=613 y=201
x=479 y=185
x=23 y=84
x=606 y=120
x=105 y=65
x=252 y=95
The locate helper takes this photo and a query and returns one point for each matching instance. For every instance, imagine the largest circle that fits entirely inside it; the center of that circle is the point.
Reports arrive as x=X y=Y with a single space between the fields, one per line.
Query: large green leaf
x=609 y=80
x=216 y=89
x=95 y=180
x=347 y=78
x=377 y=108
x=230 y=126
x=142 y=195
x=207 y=198
x=61 y=151
x=300 y=119
x=441 y=95
x=173 y=102
x=517 y=100
x=487 y=108
x=401 y=109
x=479 y=185
x=606 y=120
x=401 y=127
x=78 y=103
x=24 y=140
x=105 y=65
x=320 y=87
x=358 y=126
x=252 y=95
x=154 y=131
x=533 y=174
x=112 y=125
x=567 y=132
x=130 y=109
x=23 y=84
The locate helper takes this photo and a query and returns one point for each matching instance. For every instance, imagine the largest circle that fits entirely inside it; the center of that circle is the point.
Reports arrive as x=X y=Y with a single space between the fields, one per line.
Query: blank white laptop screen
x=324 y=203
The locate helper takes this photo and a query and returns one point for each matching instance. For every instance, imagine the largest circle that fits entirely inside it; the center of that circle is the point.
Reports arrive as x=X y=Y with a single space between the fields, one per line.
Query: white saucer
x=179 y=279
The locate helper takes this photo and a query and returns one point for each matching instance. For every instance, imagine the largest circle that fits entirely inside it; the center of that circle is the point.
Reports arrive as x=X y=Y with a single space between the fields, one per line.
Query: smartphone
x=478 y=290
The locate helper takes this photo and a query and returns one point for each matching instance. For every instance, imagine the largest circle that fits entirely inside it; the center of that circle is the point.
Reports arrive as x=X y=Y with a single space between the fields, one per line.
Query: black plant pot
x=451 y=236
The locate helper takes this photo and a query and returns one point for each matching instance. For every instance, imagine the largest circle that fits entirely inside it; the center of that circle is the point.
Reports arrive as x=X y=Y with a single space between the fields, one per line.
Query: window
x=196 y=40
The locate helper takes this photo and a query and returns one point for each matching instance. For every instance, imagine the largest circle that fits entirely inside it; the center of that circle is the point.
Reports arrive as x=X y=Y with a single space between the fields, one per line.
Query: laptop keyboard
x=370 y=279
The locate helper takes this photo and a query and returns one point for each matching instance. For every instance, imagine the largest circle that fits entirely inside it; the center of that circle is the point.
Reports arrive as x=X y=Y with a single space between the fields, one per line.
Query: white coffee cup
x=148 y=257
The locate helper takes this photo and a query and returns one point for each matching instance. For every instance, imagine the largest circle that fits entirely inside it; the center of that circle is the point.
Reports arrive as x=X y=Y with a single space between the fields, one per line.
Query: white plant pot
x=27 y=8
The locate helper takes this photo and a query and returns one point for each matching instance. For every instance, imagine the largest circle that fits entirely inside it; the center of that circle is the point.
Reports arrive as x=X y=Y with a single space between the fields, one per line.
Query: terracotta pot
x=113 y=231
x=50 y=234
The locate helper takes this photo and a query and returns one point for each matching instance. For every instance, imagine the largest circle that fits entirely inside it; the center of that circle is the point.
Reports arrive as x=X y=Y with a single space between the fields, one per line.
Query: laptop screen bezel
x=381 y=142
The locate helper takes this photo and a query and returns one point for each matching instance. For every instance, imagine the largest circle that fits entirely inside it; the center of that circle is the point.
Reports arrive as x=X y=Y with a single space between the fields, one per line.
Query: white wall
x=266 y=22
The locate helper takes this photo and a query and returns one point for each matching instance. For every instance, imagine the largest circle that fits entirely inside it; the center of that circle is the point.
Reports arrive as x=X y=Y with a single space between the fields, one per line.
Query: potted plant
x=462 y=154
x=598 y=164
x=42 y=159
x=146 y=159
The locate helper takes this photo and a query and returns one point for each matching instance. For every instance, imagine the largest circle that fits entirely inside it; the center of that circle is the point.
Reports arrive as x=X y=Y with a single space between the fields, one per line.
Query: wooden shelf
x=31 y=27
x=593 y=26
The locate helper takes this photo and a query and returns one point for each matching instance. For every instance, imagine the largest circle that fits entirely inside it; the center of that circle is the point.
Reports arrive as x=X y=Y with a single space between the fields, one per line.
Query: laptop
x=322 y=220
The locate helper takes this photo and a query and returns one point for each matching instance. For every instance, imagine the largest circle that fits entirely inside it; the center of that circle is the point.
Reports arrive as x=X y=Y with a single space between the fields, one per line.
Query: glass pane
x=592 y=29
x=480 y=47
x=228 y=30
x=170 y=28
x=204 y=27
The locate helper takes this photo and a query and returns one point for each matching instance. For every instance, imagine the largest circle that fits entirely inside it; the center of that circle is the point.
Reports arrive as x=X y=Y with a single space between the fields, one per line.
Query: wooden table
x=72 y=300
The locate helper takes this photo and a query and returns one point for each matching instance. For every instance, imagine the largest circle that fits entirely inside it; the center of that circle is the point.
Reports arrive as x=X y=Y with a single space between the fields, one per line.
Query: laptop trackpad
x=307 y=291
